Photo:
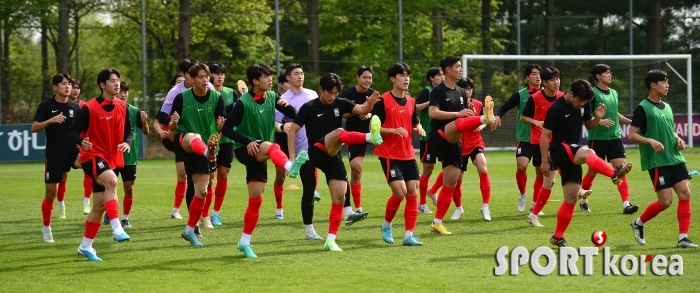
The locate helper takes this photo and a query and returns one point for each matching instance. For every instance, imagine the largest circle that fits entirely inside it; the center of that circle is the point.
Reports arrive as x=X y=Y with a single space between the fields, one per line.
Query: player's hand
x=600 y=111
x=365 y=117
x=282 y=103
x=419 y=130
x=162 y=134
x=546 y=168
x=175 y=118
x=606 y=122
x=470 y=106
x=480 y=128
x=253 y=149
x=496 y=123
x=124 y=147
x=144 y=116
x=86 y=144
x=681 y=143
x=58 y=118
x=464 y=113
x=220 y=122
x=373 y=99
x=400 y=132
x=658 y=147
x=286 y=127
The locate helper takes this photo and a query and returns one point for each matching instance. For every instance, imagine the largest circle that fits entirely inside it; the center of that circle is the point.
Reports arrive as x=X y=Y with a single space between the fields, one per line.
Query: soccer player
x=281 y=140
x=356 y=153
x=177 y=79
x=323 y=118
x=251 y=124
x=534 y=114
x=87 y=182
x=284 y=84
x=56 y=115
x=524 y=151
x=139 y=120
x=563 y=123
x=450 y=118
x=203 y=115
x=224 y=157
x=103 y=130
x=428 y=156
x=397 y=112
x=606 y=138
x=659 y=147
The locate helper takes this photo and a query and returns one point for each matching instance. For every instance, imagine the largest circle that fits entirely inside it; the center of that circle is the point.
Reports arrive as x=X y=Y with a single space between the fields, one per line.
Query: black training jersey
x=447 y=100
x=57 y=133
x=565 y=121
x=320 y=119
x=354 y=123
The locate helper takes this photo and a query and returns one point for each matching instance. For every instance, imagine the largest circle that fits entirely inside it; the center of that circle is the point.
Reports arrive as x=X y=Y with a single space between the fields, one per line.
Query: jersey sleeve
x=423 y=97
x=414 y=117
x=379 y=111
x=587 y=115
x=41 y=115
x=552 y=119
x=220 y=110
x=437 y=98
x=346 y=106
x=303 y=115
x=288 y=111
x=234 y=118
x=177 y=105
x=639 y=119
x=529 y=110
x=139 y=123
x=80 y=124
x=512 y=102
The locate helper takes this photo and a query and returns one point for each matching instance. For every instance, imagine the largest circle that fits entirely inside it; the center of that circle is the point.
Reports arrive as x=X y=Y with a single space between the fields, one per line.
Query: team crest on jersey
x=581 y=111
x=337 y=113
x=461 y=100
x=70 y=113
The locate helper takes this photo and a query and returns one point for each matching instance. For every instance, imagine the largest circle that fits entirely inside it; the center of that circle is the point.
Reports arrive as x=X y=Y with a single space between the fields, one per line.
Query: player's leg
x=539 y=178
x=223 y=164
x=428 y=158
x=256 y=178
x=61 y=195
x=206 y=220
x=484 y=184
x=107 y=183
x=451 y=164
x=682 y=189
x=51 y=187
x=566 y=210
x=274 y=153
x=411 y=177
x=200 y=180
x=128 y=179
x=457 y=195
x=523 y=156
x=87 y=193
x=308 y=182
x=338 y=189
x=92 y=224
x=543 y=197
x=584 y=155
x=356 y=154
x=278 y=188
x=601 y=149
x=180 y=187
x=617 y=157
x=392 y=171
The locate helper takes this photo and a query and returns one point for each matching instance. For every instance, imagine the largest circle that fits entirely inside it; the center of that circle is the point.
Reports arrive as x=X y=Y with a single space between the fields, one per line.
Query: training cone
x=292 y=187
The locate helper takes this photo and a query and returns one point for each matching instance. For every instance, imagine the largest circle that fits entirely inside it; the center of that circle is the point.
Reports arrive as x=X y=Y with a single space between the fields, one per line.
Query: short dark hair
x=432 y=72
x=399 y=68
x=582 y=89
x=529 y=68
x=362 y=70
x=58 y=78
x=194 y=70
x=173 y=81
x=256 y=71
x=329 y=81
x=654 y=76
x=123 y=86
x=282 y=78
x=448 y=62
x=105 y=74
x=186 y=64
x=291 y=67
x=549 y=73
x=217 y=68
x=465 y=83
x=599 y=69
x=75 y=83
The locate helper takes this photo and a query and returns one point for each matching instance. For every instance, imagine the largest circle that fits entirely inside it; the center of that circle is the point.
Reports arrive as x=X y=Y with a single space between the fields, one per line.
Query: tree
x=183 y=41
x=312 y=14
x=549 y=29
x=63 y=53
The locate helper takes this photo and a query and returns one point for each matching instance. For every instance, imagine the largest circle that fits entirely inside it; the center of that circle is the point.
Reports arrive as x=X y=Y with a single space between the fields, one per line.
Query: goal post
x=579 y=67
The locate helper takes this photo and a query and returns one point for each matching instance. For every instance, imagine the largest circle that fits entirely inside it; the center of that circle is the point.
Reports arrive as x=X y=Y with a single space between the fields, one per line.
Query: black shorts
x=94 y=168
x=405 y=170
x=225 y=155
x=332 y=167
x=128 y=172
x=281 y=140
x=451 y=154
x=563 y=158
x=169 y=145
x=427 y=153
x=255 y=171
x=472 y=156
x=667 y=176
x=610 y=149
x=356 y=150
x=536 y=156
x=56 y=165
x=194 y=164
x=524 y=149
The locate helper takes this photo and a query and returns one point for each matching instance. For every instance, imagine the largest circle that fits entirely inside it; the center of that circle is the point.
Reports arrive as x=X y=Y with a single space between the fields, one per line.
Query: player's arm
x=295 y=126
x=288 y=110
x=142 y=123
x=639 y=126
x=220 y=113
x=367 y=106
x=128 y=135
x=590 y=120
x=423 y=100
x=529 y=112
x=544 y=151
x=41 y=122
x=417 y=128
x=232 y=120
x=80 y=125
x=380 y=112
x=623 y=119
x=513 y=101
x=176 y=108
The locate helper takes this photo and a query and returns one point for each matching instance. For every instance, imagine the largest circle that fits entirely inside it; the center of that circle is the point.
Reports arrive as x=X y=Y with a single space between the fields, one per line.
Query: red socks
x=112 y=209
x=651 y=211
x=599 y=166
x=536 y=188
x=587 y=182
x=128 y=202
x=335 y=217
x=279 y=193
x=542 y=198
x=252 y=214
x=198 y=146
x=196 y=208
x=437 y=184
x=485 y=185
x=180 y=190
x=316 y=176
x=356 y=191
x=457 y=195
x=423 y=188
x=61 y=193
x=207 y=202
x=521 y=179
x=443 y=202
x=219 y=193
x=87 y=186
x=46 y=210
x=564 y=216
x=91 y=229
x=352 y=137
x=468 y=124
x=624 y=189
x=683 y=216
x=392 y=206
x=277 y=156
x=410 y=212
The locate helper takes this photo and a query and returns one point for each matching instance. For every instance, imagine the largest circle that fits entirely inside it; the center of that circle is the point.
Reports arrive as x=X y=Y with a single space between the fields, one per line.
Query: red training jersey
x=105 y=132
x=541 y=107
x=471 y=140
x=394 y=146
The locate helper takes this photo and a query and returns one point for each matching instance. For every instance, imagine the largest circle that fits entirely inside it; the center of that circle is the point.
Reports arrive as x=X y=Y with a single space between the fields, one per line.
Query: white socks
x=125 y=217
x=639 y=222
x=310 y=231
x=386 y=224
x=61 y=205
x=116 y=226
x=245 y=239
x=681 y=236
x=482 y=119
x=86 y=244
x=331 y=237
x=437 y=221
x=484 y=206
x=368 y=137
x=625 y=203
x=408 y=234
x=583 y=200
x=347 y=211
x=288 y=166
x=189 y=230
x=86 y=200
x=215 y=213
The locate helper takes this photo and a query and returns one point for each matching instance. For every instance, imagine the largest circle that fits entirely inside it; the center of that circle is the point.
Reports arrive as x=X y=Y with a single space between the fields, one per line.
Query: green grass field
x=158 y=260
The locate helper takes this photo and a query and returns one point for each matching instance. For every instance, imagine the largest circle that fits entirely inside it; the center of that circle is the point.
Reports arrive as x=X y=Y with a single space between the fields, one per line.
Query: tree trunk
x=63 y=53
x=312 y=13
x=654 y=28
x=437 y=30
x=45 y=76
x=486 y=44
x=183 y=41
x=601 y=36
x=5 y=62
x=549 y=27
